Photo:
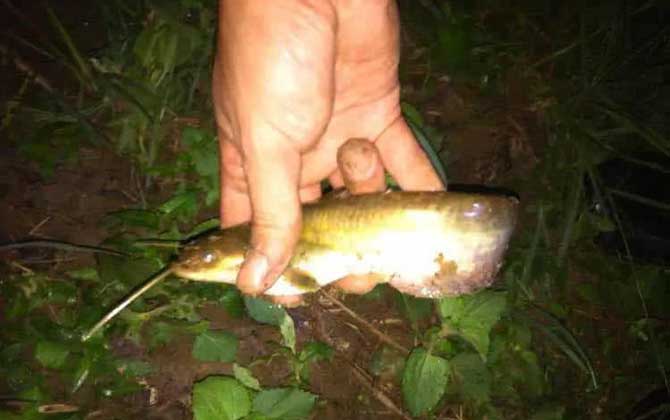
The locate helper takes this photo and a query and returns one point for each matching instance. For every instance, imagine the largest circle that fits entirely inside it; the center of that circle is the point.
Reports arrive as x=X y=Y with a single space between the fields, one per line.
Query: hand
x=293 y=80
x=360 y=165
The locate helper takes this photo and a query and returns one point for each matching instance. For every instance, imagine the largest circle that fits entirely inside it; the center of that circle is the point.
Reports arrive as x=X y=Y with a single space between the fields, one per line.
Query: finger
x=358 y=284
x=405 y=159
x=335 y=179
x=361 y=166
x=235 y=206
x=287 y=301
x=361 y=169
x=273 y=170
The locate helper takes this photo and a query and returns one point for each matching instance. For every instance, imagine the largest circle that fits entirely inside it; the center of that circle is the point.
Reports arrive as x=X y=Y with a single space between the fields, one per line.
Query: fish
x=428 y=244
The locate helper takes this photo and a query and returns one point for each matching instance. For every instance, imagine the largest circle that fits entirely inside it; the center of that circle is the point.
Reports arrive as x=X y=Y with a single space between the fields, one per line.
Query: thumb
x=273 y=173
x=360 y=166
x=362 y=172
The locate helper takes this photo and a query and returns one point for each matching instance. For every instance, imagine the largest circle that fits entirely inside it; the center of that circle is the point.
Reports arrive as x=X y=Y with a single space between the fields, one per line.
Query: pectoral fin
x=293 y=282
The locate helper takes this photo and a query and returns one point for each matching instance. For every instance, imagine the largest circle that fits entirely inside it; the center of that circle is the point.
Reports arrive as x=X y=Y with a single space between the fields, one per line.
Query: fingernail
x=359 y=167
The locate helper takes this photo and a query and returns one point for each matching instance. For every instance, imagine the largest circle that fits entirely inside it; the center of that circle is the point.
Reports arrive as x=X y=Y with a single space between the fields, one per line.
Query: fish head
x=215 y=257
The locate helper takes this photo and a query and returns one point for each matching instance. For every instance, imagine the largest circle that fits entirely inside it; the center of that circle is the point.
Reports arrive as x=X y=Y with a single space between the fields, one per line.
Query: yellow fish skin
x=426 y=244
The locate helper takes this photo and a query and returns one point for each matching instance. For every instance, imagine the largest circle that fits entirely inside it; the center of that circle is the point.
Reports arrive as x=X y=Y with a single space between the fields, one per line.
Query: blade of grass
x=415 y=124
x=84 y=71
x=639 y=199
x=564 y=340
x=650 y=136
x=570 y=219
x=530 y=256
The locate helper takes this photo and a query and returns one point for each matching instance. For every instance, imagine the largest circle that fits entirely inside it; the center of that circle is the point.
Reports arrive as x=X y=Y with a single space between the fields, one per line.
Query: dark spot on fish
x=447 y=267
x=301 y=280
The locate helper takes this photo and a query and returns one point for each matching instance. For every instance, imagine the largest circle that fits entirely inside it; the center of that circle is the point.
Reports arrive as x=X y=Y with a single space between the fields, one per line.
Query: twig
x=23 y=66
x=38 y=226
x=383 y=337
x=378 y=394
x=21 y=267
x=57 y=408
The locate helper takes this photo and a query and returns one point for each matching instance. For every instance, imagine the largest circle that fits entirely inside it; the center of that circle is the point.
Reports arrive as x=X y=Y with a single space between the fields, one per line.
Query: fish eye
x=208 y=257
x=475 y=211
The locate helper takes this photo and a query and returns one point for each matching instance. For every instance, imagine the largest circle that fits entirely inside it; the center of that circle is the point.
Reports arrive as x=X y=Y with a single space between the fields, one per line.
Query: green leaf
x=415 y=309
x=424 y=380
x=287 y=328
x=245 y=376
x=86 y=273
x=51 y=354
x=220 y=398
x=182 y=205
x=205 y=226
x=203 y=154
x=284 y=403
x=256 y=416
x=411 y=114
x=213 y=346
x=162 y=332
x=387 y=363
x=313 y=352
x=264 y=311
x=232 y=302
x=139 y=218
x=133 y=367
x=473 y=316
x=471 y=377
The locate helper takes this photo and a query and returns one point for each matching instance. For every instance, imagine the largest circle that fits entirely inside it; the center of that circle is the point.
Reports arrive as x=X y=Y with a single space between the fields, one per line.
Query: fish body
x=426 y=244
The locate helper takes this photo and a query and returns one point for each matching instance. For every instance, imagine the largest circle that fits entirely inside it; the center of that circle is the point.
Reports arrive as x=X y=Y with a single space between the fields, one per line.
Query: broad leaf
x=287 y=328
x=214 y=346
x=51 y=354
x=313 y=352
x=424 y=380
x=473 y=316
x=284 y=403
x=245 y=376
x=471 y=377
x=220 y=398
x=415 y=309
x=264 y=311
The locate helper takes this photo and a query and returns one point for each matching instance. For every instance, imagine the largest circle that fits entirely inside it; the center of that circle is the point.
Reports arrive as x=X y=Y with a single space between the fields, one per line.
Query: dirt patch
x=489 y=142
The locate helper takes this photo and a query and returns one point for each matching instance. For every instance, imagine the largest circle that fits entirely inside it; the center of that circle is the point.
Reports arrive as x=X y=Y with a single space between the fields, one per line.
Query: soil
x=491 y=146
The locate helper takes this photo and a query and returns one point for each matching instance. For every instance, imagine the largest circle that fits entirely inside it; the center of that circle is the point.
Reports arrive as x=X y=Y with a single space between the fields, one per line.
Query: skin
x=293 y=81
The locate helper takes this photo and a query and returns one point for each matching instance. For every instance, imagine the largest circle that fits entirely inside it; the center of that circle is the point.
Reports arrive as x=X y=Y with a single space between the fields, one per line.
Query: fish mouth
x=210 y=275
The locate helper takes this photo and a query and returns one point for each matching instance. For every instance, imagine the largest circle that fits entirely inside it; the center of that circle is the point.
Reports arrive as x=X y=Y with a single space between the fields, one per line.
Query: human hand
x=294 y=80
